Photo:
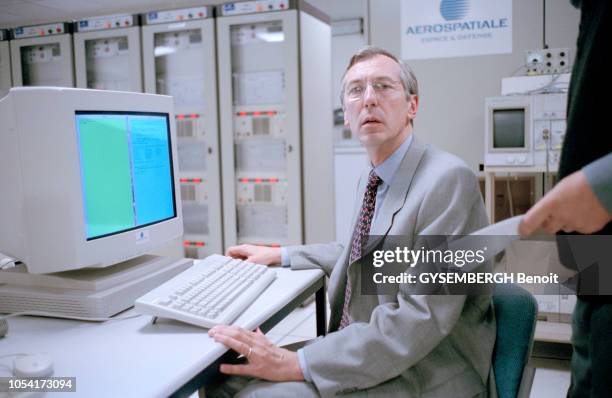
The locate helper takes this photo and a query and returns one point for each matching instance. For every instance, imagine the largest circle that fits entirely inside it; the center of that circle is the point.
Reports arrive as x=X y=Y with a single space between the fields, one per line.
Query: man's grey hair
x=407 y=77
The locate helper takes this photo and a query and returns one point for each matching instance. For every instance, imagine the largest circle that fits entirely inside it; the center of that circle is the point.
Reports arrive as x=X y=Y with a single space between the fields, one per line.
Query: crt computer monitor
x=88 y=178
x=508 y=131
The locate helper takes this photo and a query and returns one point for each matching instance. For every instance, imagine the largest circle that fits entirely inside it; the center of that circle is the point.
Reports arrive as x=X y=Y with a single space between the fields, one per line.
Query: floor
x=552 y=379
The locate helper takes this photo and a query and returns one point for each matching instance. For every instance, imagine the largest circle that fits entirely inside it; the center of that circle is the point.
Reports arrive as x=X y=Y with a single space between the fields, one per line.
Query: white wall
x=451 y=114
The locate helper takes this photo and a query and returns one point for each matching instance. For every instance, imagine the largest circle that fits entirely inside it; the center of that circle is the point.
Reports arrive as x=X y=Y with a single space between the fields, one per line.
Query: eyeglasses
x=383 y=88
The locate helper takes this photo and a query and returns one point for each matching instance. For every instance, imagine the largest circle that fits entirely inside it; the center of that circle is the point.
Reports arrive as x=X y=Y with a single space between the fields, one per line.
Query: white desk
x=136 y=358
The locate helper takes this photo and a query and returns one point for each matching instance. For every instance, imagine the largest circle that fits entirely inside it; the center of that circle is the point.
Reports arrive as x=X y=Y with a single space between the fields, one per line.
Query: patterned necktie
x=360 y=237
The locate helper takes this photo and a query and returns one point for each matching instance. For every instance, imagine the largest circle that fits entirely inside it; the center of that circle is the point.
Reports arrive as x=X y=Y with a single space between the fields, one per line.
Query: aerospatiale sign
x=455 y=28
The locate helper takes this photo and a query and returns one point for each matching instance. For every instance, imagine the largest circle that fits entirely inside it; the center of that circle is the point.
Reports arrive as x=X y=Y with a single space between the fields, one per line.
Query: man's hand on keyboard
x=256 y=254
x=264 y=359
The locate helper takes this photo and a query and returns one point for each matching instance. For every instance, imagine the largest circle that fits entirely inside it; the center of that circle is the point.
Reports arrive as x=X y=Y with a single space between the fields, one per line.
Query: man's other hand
x=256 y=254
x=570 y=206
x=264 y=359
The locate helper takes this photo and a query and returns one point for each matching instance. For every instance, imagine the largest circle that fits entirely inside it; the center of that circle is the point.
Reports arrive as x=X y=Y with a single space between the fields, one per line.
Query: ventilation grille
x=188 y=192
x=263 y=193
x=185 y=128
x=261 y=126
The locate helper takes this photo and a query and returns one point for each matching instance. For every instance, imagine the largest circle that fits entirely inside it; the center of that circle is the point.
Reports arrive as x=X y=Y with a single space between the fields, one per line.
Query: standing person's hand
x=570 y=206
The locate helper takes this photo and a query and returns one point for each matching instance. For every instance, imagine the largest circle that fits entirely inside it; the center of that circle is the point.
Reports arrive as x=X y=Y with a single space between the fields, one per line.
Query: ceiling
x=27 y=12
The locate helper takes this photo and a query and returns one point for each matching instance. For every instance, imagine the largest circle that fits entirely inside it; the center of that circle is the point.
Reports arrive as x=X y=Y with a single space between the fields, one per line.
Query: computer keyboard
x=212 y=292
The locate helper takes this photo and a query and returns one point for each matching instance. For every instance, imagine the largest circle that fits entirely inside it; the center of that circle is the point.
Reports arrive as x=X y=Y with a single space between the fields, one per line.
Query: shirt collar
x=386 y=170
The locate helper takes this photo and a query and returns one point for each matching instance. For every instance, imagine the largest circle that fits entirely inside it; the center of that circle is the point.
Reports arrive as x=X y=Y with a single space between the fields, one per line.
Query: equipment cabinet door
x=260 y=127
x=179 y=59
x=109 y=59
x=43 y=61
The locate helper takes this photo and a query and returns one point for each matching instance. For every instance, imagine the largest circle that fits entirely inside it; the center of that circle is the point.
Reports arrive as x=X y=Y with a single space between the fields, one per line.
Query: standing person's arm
x=581 y=202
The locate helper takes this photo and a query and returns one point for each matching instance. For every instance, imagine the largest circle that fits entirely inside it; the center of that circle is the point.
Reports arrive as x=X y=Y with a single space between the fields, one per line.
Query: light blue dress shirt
x=386 y=171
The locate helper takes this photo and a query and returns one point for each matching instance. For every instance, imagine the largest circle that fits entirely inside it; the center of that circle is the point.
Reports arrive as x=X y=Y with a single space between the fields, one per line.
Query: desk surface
x=135 y=357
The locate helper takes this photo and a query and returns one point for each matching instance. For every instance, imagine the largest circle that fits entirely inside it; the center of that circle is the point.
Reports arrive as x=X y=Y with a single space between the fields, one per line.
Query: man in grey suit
x=392 y=345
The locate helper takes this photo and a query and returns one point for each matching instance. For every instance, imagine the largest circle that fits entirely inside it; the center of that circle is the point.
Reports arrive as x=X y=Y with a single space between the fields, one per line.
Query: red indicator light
x=199 y=244
x=58 y=30
x=256 y=113
x=258 y=181
x=273 y=179
x=184 y=180
x=180 y=117
x=186 y=243
x=282 y=5
x=242 y=113
x=198 y=180
x=244 y=180
x=270 y=113
x=195 y=116
x=200 y=14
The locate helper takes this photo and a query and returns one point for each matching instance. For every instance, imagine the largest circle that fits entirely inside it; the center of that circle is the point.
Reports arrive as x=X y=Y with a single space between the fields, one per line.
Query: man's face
x=375 y=105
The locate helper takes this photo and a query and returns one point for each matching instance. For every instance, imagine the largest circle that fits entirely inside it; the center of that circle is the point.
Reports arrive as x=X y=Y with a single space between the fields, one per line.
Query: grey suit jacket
x=402 y=344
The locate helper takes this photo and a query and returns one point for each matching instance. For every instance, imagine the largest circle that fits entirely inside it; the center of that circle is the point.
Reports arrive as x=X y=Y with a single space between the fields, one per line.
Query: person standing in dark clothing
x=582 y=200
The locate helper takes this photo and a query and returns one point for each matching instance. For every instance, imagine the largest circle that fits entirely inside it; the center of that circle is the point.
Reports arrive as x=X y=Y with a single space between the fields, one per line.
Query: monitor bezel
x=509 y=104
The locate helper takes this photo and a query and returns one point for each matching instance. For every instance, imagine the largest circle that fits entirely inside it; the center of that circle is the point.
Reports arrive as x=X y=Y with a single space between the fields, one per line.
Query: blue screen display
x=126 y=170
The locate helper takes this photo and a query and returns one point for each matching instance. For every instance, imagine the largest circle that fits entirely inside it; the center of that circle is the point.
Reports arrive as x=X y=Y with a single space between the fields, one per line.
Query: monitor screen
x=126 y=171
x=509 y=128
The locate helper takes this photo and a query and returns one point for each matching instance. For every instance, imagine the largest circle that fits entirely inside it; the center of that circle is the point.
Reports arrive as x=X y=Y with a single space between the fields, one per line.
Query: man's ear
x=413 y=106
